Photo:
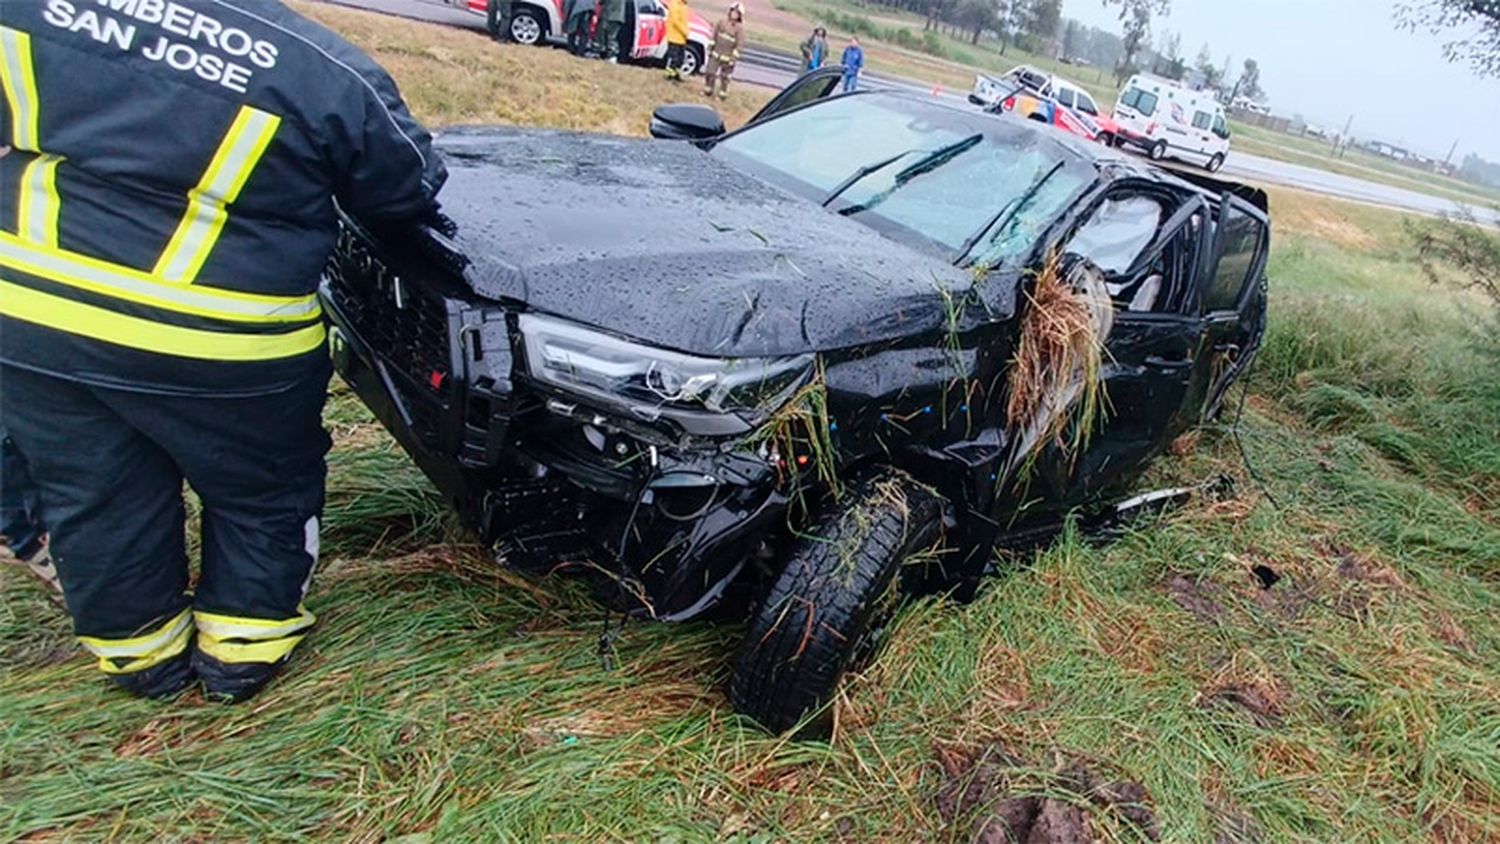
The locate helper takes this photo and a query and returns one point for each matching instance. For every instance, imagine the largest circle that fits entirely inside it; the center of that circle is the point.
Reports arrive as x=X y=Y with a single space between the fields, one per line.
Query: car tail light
x=1009 y=104
x=1151 y=128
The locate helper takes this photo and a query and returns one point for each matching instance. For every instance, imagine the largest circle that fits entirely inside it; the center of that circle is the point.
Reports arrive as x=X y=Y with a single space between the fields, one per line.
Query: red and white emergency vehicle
x=541 y=22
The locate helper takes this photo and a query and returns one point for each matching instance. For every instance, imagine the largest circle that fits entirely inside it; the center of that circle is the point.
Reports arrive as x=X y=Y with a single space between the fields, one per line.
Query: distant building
x=1388 y=150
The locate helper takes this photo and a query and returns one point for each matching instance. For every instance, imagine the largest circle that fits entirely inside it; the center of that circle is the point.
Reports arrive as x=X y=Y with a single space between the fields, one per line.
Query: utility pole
x=1341 y=145
x=1449 y=159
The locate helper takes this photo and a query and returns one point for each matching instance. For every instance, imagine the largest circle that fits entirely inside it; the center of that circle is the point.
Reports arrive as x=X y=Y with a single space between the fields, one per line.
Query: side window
x=1220 y=127
x=1202 y=120
x=1086 y=105
x=1240 y=237
x=1065 y=98
x=650 y=7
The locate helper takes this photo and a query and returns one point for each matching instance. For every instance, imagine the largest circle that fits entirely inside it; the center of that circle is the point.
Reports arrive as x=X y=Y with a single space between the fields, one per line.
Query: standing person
x=677 y=37
x=724 y=51
x=854 y=62
x=159 y=318
x=815 y=50
x=611 y=21
x=580 y=12
x=497 y=18
x=23 y=537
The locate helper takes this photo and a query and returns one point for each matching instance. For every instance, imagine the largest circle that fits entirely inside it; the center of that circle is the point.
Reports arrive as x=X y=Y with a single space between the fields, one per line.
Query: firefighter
x=724 y=51
x=677 y=37
x=611 y=21
x=165 y=212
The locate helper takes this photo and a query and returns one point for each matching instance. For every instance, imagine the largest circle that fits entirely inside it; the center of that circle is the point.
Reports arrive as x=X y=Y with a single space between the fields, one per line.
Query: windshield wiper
x=932 y=157
x=926 y=164
x=1006 y=211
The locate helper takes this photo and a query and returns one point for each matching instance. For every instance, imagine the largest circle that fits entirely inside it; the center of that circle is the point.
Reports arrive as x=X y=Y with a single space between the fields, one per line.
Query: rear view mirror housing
x=686 y=122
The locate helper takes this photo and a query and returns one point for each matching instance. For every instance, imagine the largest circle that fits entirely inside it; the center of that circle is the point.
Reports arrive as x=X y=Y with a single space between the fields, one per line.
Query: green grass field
x=442 y=699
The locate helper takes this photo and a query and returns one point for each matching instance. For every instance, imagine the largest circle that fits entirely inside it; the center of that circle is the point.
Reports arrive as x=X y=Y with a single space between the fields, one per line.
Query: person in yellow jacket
x=724 y=51
x=677 y=37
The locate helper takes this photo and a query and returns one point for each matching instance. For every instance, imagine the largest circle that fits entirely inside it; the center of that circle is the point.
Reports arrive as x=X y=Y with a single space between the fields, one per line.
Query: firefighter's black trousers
x=110 y=465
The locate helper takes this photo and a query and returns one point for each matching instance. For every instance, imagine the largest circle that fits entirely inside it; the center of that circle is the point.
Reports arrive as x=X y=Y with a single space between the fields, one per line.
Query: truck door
x=1150 y=252
x=1231 y=296
x=650 y=30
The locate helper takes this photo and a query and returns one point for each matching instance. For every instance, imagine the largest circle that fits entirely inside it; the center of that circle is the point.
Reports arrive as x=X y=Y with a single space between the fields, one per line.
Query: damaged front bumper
x=667 y=521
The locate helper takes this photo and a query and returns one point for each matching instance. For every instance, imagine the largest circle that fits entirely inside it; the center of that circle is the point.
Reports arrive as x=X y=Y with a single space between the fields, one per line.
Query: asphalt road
x=774 y=70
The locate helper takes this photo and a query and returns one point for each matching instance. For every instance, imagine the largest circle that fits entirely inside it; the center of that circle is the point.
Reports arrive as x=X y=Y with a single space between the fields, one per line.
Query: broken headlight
x=653 y=383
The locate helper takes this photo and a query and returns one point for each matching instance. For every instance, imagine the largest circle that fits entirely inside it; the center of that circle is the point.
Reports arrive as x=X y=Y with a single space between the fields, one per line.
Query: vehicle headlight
x=652 y=382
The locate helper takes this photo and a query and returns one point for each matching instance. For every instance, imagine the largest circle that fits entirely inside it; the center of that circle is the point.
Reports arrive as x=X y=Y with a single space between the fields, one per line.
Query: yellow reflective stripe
x=75 y=270
x=252 y=629
x=220 y=186
x=18 y=78
x=34 y=306
x=178 y=644
x=167 y=641
x=248 y=652
x=37 y=216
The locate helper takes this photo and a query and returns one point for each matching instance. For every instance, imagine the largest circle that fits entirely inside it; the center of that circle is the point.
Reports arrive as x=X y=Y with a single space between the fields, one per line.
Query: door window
x=1220 y=127
x=1086 y=104
x=650 y=7
x=1240 y=236
x=1065 y=97
x=1202 y=120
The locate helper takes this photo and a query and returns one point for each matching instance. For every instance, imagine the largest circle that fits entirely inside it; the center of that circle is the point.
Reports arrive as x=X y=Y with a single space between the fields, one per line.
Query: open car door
x=814 y=85
x=1231 y=296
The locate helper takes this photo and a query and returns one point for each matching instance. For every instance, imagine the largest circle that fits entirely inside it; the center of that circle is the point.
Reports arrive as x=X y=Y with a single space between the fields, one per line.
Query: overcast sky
x=1328 y=59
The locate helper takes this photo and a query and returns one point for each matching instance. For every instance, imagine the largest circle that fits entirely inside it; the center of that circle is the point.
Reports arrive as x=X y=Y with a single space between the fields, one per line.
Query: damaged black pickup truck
x=771 y=373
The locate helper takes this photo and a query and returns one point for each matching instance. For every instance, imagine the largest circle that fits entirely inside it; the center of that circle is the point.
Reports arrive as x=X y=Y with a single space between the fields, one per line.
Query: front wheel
x=1158 y=151
x=526 y=27
x=692 y=59
x=1215 y=163
x=836 y=594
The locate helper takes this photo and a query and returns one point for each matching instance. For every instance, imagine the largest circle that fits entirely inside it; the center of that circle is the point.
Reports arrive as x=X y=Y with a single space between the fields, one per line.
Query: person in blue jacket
x=854 y=62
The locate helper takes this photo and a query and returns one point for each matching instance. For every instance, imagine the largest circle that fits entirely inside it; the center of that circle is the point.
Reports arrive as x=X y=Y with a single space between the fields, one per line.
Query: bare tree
x=1136 y=17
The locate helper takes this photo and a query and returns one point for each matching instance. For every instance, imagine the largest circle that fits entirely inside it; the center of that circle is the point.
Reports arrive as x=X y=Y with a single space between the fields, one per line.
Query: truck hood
x=659 y=241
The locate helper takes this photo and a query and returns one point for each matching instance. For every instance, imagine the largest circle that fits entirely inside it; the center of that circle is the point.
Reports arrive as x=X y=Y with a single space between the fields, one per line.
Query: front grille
x=404 y=325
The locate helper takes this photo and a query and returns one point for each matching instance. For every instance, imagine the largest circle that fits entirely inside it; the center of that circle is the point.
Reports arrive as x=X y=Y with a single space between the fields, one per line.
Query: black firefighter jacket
x=167 y=203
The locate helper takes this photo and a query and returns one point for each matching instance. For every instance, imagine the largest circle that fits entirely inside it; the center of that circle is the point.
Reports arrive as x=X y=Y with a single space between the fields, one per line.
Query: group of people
x=586 y=35
x=815 y=55
x=725 y=44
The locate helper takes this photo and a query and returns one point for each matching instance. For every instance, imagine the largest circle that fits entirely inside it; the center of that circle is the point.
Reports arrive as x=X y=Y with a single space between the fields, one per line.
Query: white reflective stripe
x=111 y=279
x=37 y=215
x=138 y=646
x=220 y=186
x=18 y=78
x=251 y=629
x=312 y=543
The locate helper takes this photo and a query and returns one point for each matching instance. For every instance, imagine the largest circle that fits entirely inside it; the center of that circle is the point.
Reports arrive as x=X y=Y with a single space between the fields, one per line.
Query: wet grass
x=441 y=699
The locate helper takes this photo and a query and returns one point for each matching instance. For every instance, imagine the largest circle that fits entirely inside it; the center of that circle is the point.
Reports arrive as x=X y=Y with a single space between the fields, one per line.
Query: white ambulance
x=1165 y=119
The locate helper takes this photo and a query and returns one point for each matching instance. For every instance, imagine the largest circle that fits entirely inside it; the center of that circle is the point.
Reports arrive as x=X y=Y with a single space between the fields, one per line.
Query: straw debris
x=1056 y=392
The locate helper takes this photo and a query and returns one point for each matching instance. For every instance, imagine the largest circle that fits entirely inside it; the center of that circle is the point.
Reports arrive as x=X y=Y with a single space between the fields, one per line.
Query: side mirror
x=686 y=122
